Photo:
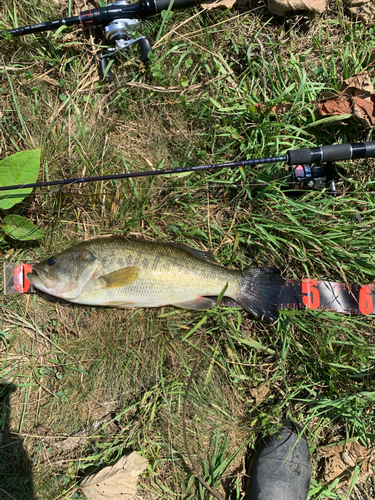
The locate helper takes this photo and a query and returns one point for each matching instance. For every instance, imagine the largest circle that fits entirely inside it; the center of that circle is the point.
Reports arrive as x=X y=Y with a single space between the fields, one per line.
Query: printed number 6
x=366 y=303
x=311 y=296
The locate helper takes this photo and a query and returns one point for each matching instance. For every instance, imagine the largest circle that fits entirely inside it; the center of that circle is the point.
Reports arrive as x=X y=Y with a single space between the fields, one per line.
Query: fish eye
x=51 y=261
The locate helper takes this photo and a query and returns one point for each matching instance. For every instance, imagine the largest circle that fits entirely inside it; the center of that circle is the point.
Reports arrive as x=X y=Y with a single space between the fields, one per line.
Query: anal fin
x=197 y=304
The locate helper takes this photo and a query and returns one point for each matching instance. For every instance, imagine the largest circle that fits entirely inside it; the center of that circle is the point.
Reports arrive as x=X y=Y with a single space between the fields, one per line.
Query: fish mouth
x=39 y=279
x=34 y=279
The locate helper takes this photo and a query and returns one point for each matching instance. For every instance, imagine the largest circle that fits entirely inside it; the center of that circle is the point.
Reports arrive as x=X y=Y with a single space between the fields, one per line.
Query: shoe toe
x=280 y=466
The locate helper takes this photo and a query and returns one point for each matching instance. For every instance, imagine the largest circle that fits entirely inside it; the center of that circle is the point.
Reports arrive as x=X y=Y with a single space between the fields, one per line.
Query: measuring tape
x=290 y=294
x=322 y=296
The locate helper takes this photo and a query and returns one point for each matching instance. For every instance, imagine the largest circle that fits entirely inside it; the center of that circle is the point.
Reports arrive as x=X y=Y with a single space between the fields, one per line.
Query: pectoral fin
x=122 y=277
x=197 y=304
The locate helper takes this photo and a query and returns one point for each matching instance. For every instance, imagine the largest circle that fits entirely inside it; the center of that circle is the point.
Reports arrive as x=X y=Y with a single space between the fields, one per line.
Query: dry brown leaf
x=337 y=106
x=227 y=4
x=280 y=7
x=340 y=457
x=358 y=99
x=260 y=394
x=367 y=109
x=359 y=85
x=117 y=482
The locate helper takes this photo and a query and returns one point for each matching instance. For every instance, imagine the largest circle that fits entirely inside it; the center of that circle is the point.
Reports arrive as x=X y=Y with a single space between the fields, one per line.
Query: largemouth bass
x=117 y=271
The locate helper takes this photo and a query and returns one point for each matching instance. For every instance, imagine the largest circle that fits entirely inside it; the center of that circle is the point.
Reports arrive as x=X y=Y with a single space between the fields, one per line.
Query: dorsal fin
x=200 y=254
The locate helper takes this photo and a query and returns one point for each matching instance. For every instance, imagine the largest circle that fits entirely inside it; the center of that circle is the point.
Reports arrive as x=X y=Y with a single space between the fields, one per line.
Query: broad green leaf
x=20 y=168
x=19 y=228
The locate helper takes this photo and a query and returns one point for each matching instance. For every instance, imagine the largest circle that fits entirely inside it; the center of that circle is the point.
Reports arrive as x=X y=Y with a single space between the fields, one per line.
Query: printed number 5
x=311 y=296
x=366 y=303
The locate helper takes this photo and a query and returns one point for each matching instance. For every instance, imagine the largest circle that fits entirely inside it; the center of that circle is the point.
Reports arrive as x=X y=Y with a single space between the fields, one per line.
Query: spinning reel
x=315 y=176
x=120 y=34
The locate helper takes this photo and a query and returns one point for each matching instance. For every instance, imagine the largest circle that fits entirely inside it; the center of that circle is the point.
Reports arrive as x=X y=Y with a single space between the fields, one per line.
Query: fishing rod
x=309 y=167
x=119 y=21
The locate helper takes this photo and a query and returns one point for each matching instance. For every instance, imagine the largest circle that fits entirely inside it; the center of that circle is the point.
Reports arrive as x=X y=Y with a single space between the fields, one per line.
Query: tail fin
x=260 y=291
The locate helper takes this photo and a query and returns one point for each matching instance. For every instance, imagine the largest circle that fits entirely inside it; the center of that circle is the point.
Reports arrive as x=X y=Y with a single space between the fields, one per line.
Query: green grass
x=221 y=86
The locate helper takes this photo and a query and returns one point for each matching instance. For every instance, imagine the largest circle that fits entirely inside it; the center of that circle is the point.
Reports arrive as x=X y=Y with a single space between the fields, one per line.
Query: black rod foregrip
x=334 y=152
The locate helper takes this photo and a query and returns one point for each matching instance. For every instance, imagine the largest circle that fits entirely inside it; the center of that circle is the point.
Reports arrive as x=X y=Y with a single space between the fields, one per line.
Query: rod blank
x=306 y=156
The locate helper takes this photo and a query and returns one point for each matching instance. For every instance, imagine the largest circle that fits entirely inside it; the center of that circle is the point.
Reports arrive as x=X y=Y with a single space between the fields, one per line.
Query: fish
x=123 y=272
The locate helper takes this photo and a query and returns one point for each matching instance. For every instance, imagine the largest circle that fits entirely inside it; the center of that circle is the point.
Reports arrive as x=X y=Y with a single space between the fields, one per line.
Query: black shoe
x=277 y=470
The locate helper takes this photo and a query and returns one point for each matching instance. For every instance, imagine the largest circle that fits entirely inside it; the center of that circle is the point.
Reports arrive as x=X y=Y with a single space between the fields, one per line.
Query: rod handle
x=334 y=152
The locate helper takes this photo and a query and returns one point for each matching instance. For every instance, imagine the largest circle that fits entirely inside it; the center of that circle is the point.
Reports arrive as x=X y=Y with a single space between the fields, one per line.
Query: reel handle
x=102 y=66
x=145 y=47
